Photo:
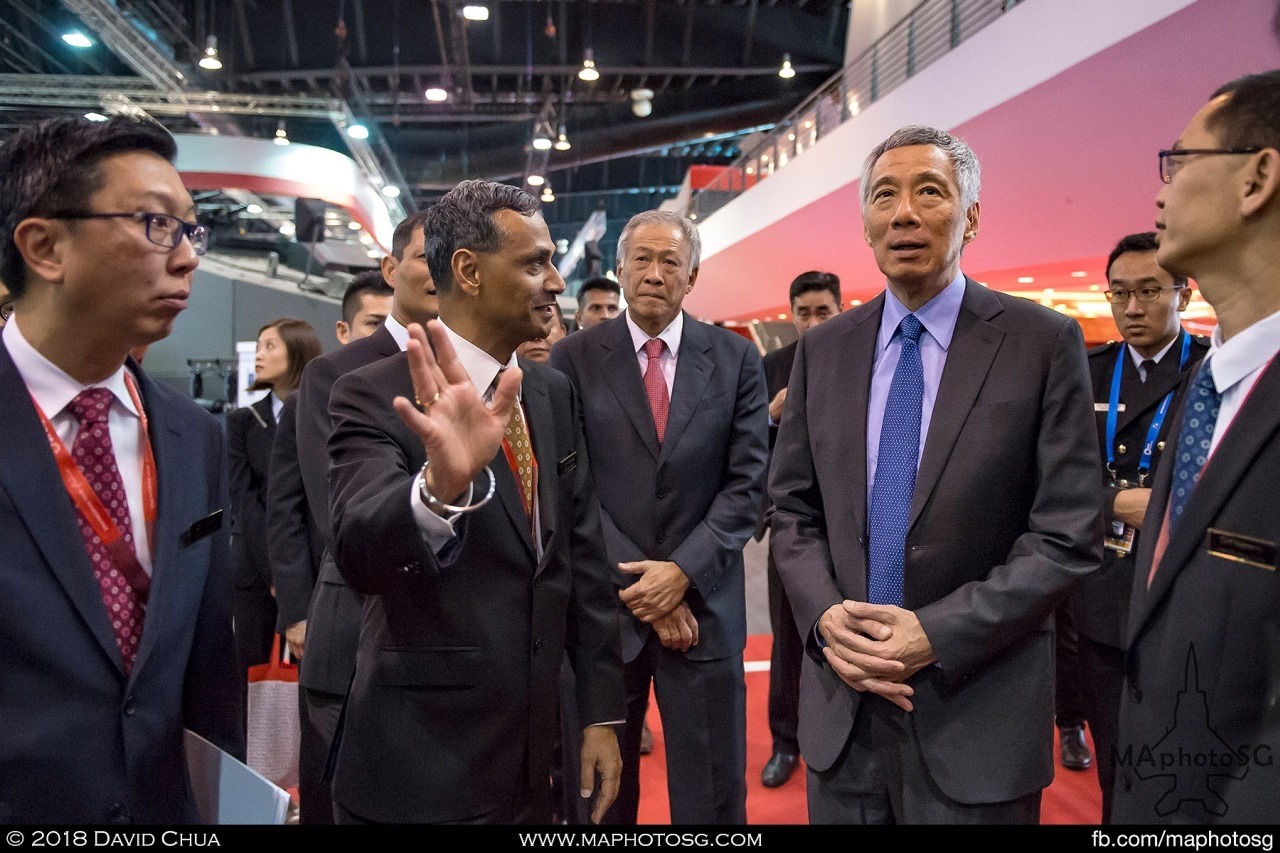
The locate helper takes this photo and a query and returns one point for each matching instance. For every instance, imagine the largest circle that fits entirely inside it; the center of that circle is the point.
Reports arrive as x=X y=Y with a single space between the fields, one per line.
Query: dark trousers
x=881 y=779
x=784 y=666
x=1070 y=687
x=1103 y=668
x=254 y=623
x=319 y=717
x=703 y=707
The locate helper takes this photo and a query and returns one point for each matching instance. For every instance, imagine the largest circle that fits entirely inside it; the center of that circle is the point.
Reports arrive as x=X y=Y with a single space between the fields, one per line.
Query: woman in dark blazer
x=284 y=348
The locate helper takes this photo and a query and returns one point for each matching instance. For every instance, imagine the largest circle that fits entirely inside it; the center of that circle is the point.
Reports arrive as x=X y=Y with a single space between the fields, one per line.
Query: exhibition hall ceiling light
x=210 y=60
x=75 y=38
x=475 y=12
x=588 y=71
x=536 y=180
x=282 y=137
x=562 y=141
x=436 y=94
x=358 y=131
x=786 y=72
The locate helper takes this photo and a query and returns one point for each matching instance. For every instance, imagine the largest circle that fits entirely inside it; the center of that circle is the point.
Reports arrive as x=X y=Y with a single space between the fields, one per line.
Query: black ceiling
x=711 y=65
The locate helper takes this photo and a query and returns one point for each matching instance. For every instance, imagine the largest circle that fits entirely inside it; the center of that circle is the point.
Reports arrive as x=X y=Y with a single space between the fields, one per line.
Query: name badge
x=1242 y=549
x=1120 y=538
x=1102 y=407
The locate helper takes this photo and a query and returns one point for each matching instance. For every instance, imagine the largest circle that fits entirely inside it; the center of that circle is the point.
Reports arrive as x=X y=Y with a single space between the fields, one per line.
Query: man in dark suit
x=934 y=485
x=326 y=638
x=1200 y=712
x=1135 y=392
x=685 y=436
x=115 y=583
x=296 y=545
x=473 y=602
x=815 y=298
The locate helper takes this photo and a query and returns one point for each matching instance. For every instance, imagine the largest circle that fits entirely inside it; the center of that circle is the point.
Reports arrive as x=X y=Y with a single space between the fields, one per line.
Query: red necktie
x=92 y=451
x=655 y=386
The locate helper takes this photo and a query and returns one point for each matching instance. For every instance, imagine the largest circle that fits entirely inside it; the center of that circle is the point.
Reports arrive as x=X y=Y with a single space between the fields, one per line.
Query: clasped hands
x=875 y=648
x=658 y=598
x=460 y=432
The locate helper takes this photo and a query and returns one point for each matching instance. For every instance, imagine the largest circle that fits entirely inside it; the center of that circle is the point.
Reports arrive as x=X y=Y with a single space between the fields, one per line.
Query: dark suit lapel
x=856 y=361
x=626 y=383
x=173 y=497
x=693 y=371
x=974 y=345
x=537 y=409
x=1256 y=423
x=30 y=476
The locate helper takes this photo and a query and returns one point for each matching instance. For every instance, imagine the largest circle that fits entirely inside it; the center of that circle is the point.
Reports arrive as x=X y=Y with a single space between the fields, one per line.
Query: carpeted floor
x=1072 y=798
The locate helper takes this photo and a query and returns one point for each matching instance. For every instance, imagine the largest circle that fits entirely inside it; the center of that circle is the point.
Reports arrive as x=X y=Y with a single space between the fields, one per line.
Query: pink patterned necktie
x=655 y=386
x=96 y=458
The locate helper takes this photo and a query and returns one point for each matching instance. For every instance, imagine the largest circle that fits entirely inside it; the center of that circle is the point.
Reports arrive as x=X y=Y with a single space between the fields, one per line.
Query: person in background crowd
x=815 y=298
x=1200 y=712
x=285 y=346
x=1137 y=385
x=115 y=577
x=934 y=486
x=365 y=305
x=678 y=409
x=597 y=301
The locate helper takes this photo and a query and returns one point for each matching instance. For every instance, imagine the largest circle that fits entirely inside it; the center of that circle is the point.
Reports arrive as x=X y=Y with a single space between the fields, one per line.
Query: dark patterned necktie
x=655 y=386
x=92 y=451
x=896 y=464
x=1198 y=420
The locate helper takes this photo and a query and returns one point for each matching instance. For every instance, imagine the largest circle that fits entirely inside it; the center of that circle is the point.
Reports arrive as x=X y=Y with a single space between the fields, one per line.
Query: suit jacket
x=1100 y=606
x=81 y=741
x=294 y=543
x=333 y=619
x=695 y=498
x=1004 y=522
x=1200 y=715
x=777 y=370
x=453 y=710
x=250 y=433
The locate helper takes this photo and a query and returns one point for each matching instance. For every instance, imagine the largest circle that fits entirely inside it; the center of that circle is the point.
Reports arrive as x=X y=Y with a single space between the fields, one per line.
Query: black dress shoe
x=1075 y=752
x=778 y=770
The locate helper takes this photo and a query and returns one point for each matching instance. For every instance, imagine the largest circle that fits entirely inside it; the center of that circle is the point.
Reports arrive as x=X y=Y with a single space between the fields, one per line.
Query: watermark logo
x=1192 y=761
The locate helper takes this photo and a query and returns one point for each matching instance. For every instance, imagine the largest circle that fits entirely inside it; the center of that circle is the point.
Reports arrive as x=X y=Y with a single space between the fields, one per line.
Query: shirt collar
x=49 y=385
x=398 y=331
x=1158 y=357
x=1246 y=352
x=671 y=335
x=938 y=315
x=481 y=367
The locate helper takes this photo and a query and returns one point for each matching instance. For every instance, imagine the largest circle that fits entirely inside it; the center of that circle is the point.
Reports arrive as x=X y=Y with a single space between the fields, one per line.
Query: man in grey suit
x=935 y=493
x=678 y=409
x=1200 y=712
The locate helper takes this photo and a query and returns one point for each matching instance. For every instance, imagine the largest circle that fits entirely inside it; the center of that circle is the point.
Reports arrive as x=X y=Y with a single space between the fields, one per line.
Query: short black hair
x=807 y=282
x=600 y=282
x=53 y=166
x=1144 y=241
x=403 y=235
x=1250 y=116
x=370 y=282
x=463 y=219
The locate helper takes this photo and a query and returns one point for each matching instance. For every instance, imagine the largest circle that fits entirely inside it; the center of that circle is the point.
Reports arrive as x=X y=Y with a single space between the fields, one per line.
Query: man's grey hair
x=963 y=161
x=664 y=217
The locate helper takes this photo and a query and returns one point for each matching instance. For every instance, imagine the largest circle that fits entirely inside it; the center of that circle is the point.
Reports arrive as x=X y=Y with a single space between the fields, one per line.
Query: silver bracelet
x=435 y=503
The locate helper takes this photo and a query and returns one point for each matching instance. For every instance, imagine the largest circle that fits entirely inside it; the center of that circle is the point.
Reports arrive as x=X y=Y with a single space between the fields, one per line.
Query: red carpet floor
x=1072 y=798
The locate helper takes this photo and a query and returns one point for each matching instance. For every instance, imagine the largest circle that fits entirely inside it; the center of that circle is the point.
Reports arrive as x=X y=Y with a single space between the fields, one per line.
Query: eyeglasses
x=1144 y=294
x=1169 y=163
x=6 y=309
x=162 y=229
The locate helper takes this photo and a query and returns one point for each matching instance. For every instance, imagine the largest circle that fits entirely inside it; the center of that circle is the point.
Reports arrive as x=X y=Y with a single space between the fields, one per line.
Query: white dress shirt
x=1237 y=364
x=671 y=336
x=53 y=389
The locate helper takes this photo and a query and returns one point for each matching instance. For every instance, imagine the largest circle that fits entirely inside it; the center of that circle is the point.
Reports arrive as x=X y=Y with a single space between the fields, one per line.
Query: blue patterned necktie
x=1198 y=420
x=896 y=465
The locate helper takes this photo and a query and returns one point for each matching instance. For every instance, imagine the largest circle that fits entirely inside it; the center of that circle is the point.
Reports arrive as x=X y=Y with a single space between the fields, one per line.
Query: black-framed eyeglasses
x=1144 y=294
x=162 y=229
x=1169 y=162
x=6 y=309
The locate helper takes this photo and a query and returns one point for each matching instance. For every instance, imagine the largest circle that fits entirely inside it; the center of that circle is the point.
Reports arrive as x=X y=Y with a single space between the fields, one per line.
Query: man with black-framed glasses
x=1199 y=730
x=1135 y=391
x=115 y=585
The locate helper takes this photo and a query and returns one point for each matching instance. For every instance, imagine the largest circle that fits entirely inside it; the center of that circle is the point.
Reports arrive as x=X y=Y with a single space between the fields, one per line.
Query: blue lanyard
x=1113 y=408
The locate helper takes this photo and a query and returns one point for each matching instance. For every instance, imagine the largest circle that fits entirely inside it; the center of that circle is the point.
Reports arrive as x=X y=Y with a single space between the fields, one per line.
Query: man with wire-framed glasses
x=1136 y=383
x=115 y=586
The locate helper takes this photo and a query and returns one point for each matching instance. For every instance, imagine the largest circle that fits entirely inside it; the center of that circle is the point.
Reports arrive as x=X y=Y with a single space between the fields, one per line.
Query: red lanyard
x=90 y=505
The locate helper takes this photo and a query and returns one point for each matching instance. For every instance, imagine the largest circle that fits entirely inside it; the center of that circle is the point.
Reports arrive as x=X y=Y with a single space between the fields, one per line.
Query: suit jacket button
x=537 y=646
x=1121 y=449
x=661 y=494
x=130 y=708
x=118 y=813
